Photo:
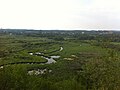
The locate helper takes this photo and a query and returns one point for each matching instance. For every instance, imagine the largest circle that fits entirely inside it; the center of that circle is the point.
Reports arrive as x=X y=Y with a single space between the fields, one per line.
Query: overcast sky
x=60 y=14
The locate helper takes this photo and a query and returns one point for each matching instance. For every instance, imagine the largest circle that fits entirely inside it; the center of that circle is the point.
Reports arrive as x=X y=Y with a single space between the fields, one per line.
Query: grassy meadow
x=84 y=63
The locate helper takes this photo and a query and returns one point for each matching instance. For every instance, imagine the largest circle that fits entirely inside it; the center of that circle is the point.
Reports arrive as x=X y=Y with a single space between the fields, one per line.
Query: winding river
x=49 y=59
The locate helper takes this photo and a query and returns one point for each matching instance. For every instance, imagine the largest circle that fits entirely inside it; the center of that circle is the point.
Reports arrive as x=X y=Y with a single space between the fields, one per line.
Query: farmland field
x=59 y=60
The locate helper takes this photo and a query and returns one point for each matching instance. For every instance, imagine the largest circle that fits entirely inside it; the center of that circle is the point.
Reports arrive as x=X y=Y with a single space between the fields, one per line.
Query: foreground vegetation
x=87 y=62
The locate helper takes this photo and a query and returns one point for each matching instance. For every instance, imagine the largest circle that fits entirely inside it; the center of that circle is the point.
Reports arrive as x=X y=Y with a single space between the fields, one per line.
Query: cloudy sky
x=60 y=14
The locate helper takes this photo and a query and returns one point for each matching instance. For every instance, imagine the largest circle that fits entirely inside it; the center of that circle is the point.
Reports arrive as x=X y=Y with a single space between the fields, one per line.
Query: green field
x=81 y=65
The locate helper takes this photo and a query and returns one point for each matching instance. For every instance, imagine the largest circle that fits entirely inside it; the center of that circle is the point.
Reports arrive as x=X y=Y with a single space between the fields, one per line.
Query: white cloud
x=60 y=14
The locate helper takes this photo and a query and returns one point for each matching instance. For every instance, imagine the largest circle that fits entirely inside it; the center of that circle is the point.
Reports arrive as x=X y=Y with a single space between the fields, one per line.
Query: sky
x=60 y=14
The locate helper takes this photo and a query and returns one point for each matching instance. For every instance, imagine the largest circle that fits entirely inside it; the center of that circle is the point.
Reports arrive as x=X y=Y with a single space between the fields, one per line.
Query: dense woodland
x=88 y=60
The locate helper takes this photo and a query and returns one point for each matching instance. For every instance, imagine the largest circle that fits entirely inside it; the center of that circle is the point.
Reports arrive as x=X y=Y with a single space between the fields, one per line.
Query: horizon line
x=62 y=29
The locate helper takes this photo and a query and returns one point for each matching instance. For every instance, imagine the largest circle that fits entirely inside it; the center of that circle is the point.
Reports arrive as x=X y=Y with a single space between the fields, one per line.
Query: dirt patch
x=39 y=72
x=74 y=56
x=68 y=58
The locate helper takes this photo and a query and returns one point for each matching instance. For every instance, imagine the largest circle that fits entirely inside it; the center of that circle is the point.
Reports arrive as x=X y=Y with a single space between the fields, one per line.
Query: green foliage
x=90 y=64
x=102 y=74
x=12 y=78
x=59 y=38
